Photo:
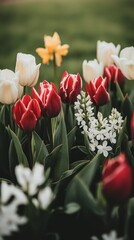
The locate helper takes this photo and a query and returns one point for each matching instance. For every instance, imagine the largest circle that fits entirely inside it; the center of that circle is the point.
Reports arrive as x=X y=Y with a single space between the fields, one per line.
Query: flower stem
x=30 y=156
x=55 y=71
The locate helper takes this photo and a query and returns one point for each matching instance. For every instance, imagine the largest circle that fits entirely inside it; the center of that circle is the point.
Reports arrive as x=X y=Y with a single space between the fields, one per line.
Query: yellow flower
x=53 y=49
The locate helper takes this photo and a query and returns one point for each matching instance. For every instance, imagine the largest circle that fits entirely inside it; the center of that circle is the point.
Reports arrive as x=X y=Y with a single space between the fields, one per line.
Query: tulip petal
x=35 y=107
x=53 y=104
x=101 y=96
x=26 y=99
x=8 y=92
x=18 y=110
x=28 y=121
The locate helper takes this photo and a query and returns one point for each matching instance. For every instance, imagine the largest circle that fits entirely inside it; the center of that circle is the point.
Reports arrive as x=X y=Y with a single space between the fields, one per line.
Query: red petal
x=53 y=104
x=28 y=121
x=101 y=96
x=98 y=81
x=18 y=111
x=26 y=99
x=35 y=107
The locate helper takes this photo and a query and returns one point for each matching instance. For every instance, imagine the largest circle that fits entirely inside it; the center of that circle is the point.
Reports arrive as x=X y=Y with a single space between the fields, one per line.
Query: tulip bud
x=126 y=62
x=26 y=113
x=114 y=74
x=70 y=87
x=9 y=86
x=48 y=99
x=117 y=179
x=28 y=70
x=105 y=51
x=91 y=70
x=96 y=89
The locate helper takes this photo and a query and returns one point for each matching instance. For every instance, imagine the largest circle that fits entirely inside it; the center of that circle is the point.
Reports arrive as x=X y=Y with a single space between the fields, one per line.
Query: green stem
x=30 y=156
x=24 y=92
x=55 y=72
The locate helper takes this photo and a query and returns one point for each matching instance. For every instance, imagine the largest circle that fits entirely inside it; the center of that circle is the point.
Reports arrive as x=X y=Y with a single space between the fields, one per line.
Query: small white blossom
x=104 y=149
x=101 y=132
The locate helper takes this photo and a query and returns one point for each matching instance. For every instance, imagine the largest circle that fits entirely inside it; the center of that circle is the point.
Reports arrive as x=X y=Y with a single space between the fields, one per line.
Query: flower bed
x=67 y=148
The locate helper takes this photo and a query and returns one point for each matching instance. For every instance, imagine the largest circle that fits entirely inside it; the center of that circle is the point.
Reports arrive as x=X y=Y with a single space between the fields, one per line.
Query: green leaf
x=52 y=157
x=127 y=109
x=119 y=91
x=5 y=115
x=21 y=158
x=78 y=189
x=102 y=201
x=60 y=138
x=130 y=220
x=40 y=149
x=4 y=152
x=121 y=136
x=86 y=142
x=71 y=137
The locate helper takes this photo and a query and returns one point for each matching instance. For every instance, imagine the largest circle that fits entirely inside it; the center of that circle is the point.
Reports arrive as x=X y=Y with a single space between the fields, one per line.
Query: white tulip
x=126 y=62
x=92 y=69
x=105 y=51
x=9 y=86
x=28 y=70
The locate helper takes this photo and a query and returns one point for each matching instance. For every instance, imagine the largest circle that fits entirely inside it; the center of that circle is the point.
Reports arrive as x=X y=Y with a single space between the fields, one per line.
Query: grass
x=80 y=24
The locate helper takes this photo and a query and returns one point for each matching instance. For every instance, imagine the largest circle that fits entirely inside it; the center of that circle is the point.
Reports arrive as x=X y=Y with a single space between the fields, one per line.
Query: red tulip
x=70 y=87
x=48 y=99
x=113 y=74
x=97 y=91
x=26 y=113
x=117 y=179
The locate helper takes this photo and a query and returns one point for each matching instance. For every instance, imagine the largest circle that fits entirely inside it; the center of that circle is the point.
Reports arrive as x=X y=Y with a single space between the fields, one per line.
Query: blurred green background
x=80 y=23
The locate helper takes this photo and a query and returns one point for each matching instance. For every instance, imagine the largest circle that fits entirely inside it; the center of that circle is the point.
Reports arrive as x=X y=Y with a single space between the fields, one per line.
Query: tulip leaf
x=121 y=136
x=21 y=157
x=127 y=109
x=119 y=91
x=130 y=219
x=40 y=149
x=86 y=142
x=60 y=137
x=5 y=115
x=4 y=149
x=52 y=157
x=78 y=189
x=71 y=137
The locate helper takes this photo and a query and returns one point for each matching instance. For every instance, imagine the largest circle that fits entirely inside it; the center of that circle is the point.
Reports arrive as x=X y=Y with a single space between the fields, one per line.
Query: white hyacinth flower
x=105 y=51
x=8 y=191
x=30 y=180
x=10 y=89
x=104 y=148
x=102 y=132
x=10 y=220
x=125 y=62
x=28 y=70
x=92 y=69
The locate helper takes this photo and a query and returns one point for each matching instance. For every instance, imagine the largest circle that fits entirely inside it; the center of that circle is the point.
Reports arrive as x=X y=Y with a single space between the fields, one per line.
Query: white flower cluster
x=102 y=132
x=111 y=236
x=12 y=197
